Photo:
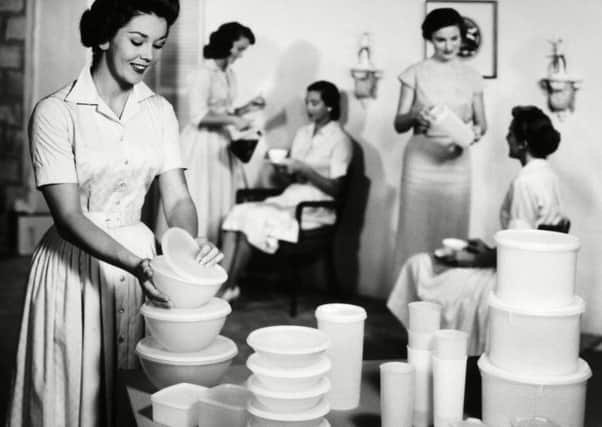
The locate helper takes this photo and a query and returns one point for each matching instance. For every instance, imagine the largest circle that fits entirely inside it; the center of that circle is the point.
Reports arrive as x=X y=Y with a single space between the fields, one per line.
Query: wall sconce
x=560 y=87
x=365 y=75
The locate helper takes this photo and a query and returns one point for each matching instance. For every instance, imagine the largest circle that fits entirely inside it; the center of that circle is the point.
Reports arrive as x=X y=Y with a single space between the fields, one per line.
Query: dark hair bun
x=441 y=18
x=533 y=126
x=221 y=41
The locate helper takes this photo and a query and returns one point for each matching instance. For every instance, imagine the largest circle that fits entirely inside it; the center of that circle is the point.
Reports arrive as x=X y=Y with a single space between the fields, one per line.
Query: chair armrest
x=329 y=204
x=255 y=194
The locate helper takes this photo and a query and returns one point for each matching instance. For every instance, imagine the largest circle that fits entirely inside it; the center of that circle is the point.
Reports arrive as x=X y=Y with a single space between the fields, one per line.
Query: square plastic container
x=177 y=405
x=535 y=268
x=223 y=405
x=534 y=342
x=507 y=396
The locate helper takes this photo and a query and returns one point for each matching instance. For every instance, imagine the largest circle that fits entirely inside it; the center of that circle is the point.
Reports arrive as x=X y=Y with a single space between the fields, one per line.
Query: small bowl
x=288 y=401
x=206 y=367
x=186 y=329
x=264 y=417
x=277 y=155
x=454 y=244
x=279 y=379
x=177 y=405
x=182 y=292
x=288 y=346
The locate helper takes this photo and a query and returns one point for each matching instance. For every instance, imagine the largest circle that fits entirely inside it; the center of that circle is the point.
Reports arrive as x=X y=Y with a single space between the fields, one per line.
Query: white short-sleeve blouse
x=76 y=138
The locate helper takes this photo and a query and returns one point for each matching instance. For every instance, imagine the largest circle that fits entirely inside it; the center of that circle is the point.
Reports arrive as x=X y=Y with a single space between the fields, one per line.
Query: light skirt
x=462 y=293
x=75 y=309
x=435 y=198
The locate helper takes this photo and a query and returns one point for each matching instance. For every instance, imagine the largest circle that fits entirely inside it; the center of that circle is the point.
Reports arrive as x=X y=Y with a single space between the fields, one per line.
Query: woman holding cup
x=435 y=185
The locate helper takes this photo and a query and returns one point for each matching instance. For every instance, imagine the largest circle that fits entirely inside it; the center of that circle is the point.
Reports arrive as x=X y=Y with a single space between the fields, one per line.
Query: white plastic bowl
x=454 y=244
x=206 y=367
x=277 y=155
x=289 y=346
x=288 y=379
x=184 y=293
x=263 y=417
x=535 y=268
x=186 y=329
x=507 y=396
x=534 y=342
x=177 y=405
x=288 y=401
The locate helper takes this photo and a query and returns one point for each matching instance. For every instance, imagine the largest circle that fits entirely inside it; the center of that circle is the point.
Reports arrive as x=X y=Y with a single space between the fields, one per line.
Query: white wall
x=301 y=41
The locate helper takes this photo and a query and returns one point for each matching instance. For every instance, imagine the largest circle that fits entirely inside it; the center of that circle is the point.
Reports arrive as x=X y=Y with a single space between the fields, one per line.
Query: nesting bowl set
x=289 y=380
x=184 y=343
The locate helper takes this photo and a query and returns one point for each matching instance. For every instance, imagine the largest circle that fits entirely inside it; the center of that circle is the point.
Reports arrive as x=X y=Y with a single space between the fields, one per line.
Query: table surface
x=139 y=390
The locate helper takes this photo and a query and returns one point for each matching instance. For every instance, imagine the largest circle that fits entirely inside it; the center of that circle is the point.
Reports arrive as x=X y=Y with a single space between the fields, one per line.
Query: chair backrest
x=562 y=227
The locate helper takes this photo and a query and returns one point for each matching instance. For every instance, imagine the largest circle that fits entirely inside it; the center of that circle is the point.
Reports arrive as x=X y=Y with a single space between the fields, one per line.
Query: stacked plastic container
x=532 y=367
x=184 y=345
x=289 y=378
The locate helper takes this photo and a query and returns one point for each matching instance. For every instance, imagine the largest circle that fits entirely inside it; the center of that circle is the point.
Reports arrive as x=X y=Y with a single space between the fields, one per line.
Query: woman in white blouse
x=532 y=200
x=320 y=155
x=96 y=145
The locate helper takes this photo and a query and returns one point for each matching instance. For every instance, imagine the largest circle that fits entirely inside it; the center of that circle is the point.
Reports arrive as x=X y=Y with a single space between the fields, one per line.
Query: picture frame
x=479 y=49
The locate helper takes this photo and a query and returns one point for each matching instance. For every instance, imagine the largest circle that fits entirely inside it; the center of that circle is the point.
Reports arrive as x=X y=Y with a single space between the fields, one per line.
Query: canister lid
x=214 y=309
x=537 y=240
x=577 y=306
x=583 y=373
x=220 y=350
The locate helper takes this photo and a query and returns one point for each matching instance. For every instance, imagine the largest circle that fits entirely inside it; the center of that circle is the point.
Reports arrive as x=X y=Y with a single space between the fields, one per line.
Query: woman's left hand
x=478 y=133
x=208 y=255
x=297 y=167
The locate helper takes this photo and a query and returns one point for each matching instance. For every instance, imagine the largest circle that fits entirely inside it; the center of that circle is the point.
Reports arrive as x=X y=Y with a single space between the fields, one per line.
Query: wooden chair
x=311 y=246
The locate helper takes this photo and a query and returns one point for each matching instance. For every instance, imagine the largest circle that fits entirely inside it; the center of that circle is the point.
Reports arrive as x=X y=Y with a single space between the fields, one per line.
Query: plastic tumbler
x=423 y=388
x=344 y=324
x=397 y=394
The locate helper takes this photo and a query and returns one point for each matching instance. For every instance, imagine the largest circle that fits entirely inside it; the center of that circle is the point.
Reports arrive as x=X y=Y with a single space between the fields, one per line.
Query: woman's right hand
x=422 y=119
x=144 y=273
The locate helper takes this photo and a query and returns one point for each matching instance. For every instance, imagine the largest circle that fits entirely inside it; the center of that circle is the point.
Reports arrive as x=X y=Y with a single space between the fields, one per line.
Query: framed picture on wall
x=479 y=48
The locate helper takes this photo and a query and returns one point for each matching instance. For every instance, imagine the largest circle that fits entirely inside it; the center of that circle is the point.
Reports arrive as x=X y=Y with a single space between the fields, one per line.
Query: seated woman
x=532 y=200
x=320 y=155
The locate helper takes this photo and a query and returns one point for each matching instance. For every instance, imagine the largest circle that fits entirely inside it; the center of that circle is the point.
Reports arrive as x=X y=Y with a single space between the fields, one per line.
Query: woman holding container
x=435 y=184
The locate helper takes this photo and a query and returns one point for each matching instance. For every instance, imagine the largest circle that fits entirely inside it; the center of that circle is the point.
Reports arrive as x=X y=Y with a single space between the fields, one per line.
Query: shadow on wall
x=351 y=223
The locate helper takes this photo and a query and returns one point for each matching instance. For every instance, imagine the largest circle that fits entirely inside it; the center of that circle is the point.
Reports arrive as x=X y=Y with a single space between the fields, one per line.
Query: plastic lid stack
x=531 y=367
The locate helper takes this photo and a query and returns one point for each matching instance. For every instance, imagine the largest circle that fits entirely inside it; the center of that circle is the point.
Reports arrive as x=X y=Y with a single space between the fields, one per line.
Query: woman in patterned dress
x=96 y=145
x=436 y=179
x=213 y=173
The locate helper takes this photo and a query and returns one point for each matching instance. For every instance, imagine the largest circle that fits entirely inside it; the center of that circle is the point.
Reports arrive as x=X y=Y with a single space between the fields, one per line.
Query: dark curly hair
x=100 y=23
x=221 y=41
x=441 y=18
x=534 y=127
x=330 y=95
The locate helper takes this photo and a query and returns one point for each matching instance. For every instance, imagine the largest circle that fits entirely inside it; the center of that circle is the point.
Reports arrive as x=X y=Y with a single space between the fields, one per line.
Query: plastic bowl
x=288 y=401
x=264 y=417
x=289 y=346
x=177 y=405
x=186 y=329
x=206 y=367
x=184 y=293
x=454 y=244
x=279 y=379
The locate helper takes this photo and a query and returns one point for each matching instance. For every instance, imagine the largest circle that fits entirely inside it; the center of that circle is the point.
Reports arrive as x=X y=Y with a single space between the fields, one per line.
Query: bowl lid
x=256 y=364
x=220 y=350
x=319 y=389
x=318 y=411
x=214 y=309
x=288 y=340
x=180 y=250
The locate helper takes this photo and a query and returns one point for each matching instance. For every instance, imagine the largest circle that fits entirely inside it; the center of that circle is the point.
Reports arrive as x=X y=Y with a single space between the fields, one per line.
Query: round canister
x=534 y=342
x=535 y=268
x=508 y=397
